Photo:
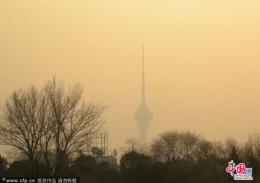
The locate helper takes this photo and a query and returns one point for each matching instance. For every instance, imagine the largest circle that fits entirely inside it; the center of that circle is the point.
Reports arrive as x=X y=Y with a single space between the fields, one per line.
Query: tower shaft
x=143 y=116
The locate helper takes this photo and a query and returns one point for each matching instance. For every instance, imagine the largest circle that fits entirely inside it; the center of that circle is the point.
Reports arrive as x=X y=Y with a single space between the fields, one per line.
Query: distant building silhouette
x=143 y=116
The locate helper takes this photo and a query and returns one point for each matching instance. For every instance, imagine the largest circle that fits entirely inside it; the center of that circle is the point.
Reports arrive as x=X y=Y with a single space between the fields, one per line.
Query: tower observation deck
x=143 y=116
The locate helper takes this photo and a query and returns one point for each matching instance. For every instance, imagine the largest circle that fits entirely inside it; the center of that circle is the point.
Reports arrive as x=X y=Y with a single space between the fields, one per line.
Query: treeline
x=51 y=130
x=186 y=157
x=83 y=166
x=173 y=156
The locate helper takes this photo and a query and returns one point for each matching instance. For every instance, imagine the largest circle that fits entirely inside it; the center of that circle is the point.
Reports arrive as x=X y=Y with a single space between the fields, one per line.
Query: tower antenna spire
x=143 y=58
x=143 y=79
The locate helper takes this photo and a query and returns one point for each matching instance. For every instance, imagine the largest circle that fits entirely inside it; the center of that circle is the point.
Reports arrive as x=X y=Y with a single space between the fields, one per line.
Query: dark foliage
x=24 y=169
x=3 y=166
x=206 y=164
x=136 y=167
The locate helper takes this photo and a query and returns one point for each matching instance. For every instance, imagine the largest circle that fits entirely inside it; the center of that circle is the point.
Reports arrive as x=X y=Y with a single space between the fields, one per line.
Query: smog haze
x=202 y=60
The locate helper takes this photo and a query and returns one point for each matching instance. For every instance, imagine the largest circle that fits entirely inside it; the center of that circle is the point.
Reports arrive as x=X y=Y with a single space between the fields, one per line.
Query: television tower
x=143 y=116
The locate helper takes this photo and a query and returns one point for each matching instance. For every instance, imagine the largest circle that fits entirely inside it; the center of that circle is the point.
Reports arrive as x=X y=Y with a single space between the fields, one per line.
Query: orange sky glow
x=202 y=60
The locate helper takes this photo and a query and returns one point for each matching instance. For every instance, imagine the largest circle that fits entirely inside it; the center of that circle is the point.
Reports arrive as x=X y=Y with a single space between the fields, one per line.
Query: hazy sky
x=202 y=60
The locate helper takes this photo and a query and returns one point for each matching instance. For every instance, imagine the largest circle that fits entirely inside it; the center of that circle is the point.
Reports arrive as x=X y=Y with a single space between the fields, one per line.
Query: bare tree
x=134 y=144
x=229 y=143
x=254 y=144
x=131 y=144
x=205 y=149
x=164 y=147
x=50 y=125
x=219 y=150
x=171 y=145
x=71 y=124
x=22 y=123
x=188 y=145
